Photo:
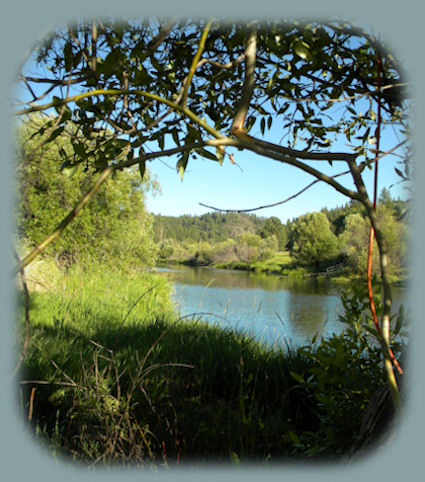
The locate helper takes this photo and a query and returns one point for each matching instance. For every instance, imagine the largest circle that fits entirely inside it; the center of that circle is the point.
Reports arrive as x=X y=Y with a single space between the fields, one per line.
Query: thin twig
x=47 y=382
x=261 y=207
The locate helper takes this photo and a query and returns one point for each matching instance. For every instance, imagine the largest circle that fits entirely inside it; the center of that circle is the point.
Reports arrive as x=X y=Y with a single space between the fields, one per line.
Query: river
x=274 y=309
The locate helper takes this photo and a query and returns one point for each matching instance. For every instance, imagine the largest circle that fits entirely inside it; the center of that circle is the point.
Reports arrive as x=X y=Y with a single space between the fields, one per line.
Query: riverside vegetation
x=110 y=374
x=332 y=242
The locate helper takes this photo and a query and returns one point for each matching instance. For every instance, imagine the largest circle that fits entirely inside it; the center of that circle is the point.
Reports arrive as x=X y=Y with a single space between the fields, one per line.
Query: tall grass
x=112 y=375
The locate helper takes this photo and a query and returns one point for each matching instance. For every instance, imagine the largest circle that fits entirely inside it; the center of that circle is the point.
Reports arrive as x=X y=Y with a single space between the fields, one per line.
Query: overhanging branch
x=260 y=149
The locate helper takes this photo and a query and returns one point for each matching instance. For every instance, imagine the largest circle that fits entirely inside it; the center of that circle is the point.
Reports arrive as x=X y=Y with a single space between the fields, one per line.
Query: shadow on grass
x=187 y=391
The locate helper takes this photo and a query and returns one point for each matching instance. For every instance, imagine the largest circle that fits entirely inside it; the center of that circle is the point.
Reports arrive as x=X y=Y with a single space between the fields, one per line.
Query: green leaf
x=208 y=155
x=263 y=125
x=57 y=132
x=294 y=437
x=63 y=110
x=175 y=135
x=142 y=168
x=101 y=163
x=249 y=123
x=68 y=57
x=297 y=377
x=269 y=122
x=79 y=149
x=399 y=173
x=235 y=458
x=70 y=170
x=302 y=49
x=182 y=164
x=219 y=152
x=57 y=102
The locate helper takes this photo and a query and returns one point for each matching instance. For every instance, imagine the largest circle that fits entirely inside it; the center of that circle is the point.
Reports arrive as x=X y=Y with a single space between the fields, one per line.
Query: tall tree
x=115 y=227
x=314 y=242
x=187 y=86
x=274 y=226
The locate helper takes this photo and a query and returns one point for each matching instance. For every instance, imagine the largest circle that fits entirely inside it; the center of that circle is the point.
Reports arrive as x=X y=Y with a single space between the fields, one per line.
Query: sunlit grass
x=113 y=374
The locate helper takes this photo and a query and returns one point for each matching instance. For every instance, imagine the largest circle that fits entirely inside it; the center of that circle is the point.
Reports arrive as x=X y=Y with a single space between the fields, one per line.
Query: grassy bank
x=111 y=375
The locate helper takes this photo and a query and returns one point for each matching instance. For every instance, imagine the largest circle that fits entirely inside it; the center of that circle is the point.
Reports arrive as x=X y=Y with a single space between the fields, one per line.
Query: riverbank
x=112 y=375
x=339 y=273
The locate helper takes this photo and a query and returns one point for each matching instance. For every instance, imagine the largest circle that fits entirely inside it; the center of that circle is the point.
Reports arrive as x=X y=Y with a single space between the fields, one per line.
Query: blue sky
x=259 y=181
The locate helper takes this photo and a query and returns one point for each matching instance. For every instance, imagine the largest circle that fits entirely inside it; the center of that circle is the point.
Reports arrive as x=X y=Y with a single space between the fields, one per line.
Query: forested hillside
x=316 y=240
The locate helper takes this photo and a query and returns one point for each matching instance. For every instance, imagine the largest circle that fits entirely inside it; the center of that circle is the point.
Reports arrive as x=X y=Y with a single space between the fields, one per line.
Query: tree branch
x=387 y=299
x=195 y=62
x=260 y=207
x=277 y=156
x=273 y=204
x=293 y=153
x=249 y=82
x=64 y=223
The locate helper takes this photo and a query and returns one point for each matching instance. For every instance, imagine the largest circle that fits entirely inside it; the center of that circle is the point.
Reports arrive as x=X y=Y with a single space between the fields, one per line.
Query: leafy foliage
x=355 y=239
x=212 y=227
x=318 y=240
x=314 y=242
x=302 y=69
x=274 y=227
x=115 y=226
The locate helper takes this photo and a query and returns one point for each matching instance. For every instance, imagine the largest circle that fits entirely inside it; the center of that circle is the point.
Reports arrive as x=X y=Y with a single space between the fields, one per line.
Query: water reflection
x=274 y=309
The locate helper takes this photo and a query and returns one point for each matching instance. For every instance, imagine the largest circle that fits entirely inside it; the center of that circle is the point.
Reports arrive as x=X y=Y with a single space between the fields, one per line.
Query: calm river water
x=274 y=309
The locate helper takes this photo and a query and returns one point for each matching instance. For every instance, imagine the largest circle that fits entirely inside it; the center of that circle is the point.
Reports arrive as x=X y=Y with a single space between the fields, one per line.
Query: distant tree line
x=317 y=239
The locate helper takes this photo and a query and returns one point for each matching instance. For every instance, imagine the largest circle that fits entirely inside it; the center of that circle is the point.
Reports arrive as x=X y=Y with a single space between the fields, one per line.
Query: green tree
x=274 y=226
x=355 y=242
x=115 y=227
x=314 y=242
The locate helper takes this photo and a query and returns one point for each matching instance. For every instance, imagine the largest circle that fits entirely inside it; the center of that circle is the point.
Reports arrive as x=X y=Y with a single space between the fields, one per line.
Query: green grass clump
x=112 y=375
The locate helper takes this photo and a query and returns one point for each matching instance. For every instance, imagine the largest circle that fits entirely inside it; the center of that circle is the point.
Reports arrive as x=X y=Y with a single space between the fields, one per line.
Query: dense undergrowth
x=111 y=375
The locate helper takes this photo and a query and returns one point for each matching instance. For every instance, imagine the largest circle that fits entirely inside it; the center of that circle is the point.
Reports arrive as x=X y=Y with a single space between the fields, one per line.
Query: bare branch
x=249 y=210
x=46 y=80
x=273 y=204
